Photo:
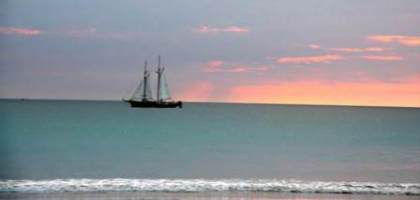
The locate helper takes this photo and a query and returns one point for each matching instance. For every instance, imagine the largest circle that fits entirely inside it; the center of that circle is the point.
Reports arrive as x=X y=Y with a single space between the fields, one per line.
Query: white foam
x=199 y=185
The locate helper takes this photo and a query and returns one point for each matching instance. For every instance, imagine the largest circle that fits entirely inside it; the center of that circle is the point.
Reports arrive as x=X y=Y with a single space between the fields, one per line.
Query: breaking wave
x=201 y=185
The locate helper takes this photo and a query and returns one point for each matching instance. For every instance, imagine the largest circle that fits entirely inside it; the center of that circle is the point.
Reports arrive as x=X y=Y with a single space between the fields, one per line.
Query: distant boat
x=142 y=96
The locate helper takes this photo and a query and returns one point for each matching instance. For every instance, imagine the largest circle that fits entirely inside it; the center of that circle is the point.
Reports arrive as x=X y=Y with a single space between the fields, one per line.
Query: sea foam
x=201 y=185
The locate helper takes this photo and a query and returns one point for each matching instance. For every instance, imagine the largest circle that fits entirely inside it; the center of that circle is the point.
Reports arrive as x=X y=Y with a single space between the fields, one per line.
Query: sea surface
x=95 y=149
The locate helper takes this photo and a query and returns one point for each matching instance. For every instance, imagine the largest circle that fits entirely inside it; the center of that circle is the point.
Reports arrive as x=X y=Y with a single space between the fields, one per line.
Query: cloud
x=309 y=59
x=373 y=92
x=213 y=65
x=220 y=66
x=205 y=29
x=93 y=33
x=89 y=32
x=410 y=41
x=358 y=50
x=314 y=46
x=80 y=33
x=235 y=29
x=383 y=58
x=245 y=68
x=230 y=29
x=20 y=31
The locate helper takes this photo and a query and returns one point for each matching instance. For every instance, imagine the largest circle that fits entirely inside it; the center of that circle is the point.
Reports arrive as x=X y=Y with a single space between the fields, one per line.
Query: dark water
x=231 y=143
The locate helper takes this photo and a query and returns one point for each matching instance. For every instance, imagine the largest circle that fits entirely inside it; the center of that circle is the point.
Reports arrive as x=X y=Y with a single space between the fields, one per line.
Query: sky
x=339 y=52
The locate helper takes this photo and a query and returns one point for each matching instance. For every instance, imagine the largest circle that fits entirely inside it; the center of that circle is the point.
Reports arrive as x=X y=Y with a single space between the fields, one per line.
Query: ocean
x=56 y=149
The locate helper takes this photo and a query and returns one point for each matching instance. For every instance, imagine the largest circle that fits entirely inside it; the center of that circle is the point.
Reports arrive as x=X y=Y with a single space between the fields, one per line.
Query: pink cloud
x=314 y=46
x=213 y=66
x=220 y=66
x=411 y=41
x=245 y=68
x=20 y=31
x=309 y=59
x=230 y=29
x=206 y=29
x=383 y=58
x=359 y=50
x=236 y=29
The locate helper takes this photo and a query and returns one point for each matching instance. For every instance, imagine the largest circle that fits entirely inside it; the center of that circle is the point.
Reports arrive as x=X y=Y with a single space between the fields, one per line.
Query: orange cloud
x=383 y=58
x=201 y=92
x=230 y=29
x=20 y=31
x=220 y=66
x=309 y=59
x=372 y=93
x=411 y=41
x=358 y=50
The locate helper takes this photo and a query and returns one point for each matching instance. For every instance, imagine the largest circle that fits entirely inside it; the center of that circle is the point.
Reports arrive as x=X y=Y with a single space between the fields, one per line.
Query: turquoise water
x=48 y=140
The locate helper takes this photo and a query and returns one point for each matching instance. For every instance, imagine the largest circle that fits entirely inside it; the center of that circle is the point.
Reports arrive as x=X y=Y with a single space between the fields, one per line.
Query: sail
x=143 y=91
x=139 y=93
x=142 y=96
x=164 y=94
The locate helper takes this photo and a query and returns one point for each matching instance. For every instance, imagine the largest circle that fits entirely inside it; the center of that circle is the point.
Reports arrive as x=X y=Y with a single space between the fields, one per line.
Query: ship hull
x=155 y=104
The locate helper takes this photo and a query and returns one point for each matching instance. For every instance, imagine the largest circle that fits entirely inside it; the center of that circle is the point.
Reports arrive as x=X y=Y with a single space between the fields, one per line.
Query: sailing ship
x=142 y=96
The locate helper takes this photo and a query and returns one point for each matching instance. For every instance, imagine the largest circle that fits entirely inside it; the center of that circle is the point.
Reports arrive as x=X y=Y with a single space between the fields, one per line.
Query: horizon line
x=220 y=102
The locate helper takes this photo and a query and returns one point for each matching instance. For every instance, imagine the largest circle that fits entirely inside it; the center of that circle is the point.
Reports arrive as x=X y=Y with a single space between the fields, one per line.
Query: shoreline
x=198 y=195
x=209 y=185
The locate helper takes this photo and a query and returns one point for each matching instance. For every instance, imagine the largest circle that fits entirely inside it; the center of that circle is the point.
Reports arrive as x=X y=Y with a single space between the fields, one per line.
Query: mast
x=159 y=76
x=145 y=81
